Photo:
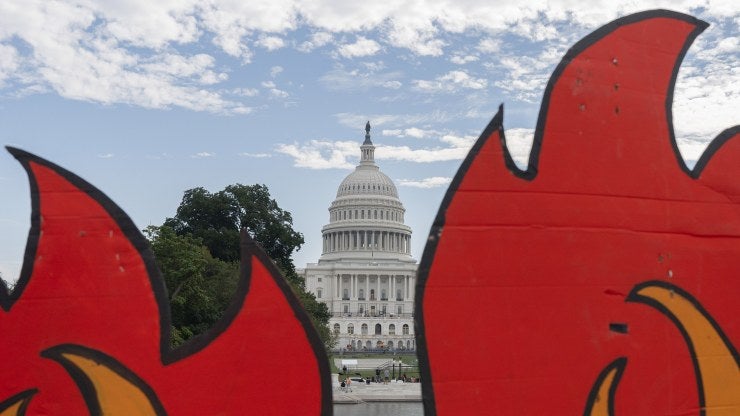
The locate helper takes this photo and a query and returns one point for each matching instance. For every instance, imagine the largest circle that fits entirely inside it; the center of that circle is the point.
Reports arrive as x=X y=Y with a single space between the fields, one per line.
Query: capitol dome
x=364 y=181
x=366 y=220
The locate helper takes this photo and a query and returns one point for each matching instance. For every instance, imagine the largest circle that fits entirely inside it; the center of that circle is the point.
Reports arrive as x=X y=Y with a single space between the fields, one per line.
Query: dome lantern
x=367 y=150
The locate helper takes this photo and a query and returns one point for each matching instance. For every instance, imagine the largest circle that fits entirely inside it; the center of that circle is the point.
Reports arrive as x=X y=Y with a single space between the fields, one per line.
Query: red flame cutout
x=515 y=304
x=89 y=279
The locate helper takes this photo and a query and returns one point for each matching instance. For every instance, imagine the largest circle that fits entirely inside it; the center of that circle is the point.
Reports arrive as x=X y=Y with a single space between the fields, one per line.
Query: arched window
x=318 y=293
x=350 y=329
x=363 y=329
x=345 y=293
x=378 y=329
x=405 y=329
x=399 y=294
x=362 y=294
x=383 y=295
x=372 y=294
x=390 y=345
x=336 y=329
x=391 y=329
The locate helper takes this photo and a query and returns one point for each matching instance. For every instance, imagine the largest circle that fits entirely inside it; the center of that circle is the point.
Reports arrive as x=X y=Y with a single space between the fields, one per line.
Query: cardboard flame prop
x=86 y=329
x=604 y=278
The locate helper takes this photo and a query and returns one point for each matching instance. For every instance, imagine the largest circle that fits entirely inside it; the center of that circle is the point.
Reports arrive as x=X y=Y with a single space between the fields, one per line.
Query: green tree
x=199 y=286
x=217 y=218
x=211 y=222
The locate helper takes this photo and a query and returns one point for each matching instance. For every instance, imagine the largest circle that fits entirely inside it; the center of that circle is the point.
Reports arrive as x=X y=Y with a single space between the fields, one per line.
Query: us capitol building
x=365 y=274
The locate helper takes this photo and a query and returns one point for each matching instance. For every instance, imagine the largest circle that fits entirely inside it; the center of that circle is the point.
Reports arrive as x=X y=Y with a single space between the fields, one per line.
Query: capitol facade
x=366 y=275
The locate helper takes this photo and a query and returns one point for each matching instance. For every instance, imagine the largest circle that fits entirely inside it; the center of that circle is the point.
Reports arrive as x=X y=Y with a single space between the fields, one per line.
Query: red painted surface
x=90 y=286
x=531 y=268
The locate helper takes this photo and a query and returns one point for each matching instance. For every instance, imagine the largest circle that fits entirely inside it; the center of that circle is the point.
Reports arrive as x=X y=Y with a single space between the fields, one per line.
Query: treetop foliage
x=198 y=252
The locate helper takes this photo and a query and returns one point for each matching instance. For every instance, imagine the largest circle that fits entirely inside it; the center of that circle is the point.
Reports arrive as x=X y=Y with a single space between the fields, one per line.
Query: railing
x=372 y=315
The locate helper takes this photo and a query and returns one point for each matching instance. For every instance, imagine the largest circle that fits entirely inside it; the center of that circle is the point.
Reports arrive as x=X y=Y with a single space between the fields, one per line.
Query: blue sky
x=146 y=99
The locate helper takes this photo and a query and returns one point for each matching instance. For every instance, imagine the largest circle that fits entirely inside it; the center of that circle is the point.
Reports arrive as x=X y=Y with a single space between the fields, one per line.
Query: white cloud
x=274 y=91
x=202 y=155
x=275 y=71
x=8 y=62
x=519 y=143
x=278 y=93
x=451 y=82
x=316 y=40
x=141 y=52
x=270 y=43
x=356 y=80
x=394 y=85
x=353 y=120
x=321 y=154
x=362 y=47
x=426 y=183
x=246 y=92
x=414 y=132
x=708 y=85
x=161 y=156
x=197 y=67
x=428 y=155
x=255 y=155
x=489 y=45
x=463 y=59
x=525 y=77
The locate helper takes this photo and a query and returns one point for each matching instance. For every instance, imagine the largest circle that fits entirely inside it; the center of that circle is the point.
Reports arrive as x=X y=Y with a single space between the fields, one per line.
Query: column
x=337 y=286
x=393 y=287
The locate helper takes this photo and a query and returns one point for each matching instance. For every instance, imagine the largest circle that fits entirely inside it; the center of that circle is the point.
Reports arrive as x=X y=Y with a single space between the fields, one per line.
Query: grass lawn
x=410 y=363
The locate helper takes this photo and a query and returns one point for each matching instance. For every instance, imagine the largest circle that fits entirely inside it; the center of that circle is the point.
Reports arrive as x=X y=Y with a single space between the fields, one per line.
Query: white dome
x=367 y=180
